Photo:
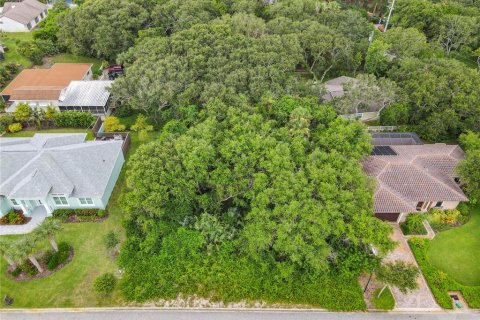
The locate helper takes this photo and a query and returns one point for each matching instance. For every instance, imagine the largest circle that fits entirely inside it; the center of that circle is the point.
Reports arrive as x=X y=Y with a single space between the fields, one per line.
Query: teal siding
x=4 y=206
x=113 y=178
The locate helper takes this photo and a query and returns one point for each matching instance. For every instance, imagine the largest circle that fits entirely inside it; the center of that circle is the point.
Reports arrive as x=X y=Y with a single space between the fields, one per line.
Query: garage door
x=387 y=216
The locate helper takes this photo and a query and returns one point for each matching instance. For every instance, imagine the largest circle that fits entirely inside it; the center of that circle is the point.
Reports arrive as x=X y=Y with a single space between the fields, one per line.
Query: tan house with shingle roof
x=414 y=178
x=42 y=87
x=22 y=16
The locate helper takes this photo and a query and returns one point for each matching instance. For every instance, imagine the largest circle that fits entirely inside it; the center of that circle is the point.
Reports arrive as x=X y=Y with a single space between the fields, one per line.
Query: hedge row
x=440 y=282
x=74 y=119
x=81 y=215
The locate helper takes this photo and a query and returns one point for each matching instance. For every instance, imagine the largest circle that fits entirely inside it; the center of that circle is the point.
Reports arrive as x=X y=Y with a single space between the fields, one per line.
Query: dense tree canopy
x=284 y=182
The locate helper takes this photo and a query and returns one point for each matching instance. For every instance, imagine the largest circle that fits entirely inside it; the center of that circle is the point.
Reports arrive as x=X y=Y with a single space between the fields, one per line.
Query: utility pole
x=389 y=15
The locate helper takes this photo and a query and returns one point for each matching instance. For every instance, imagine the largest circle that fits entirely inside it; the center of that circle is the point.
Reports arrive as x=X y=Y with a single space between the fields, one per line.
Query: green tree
x=26 y=248
x=48 y=229
x=455 y=31
x=5 y=251
x=23 y=112
x=399 y=274
x=141 y=126
x=50 y=113
x=469 y=168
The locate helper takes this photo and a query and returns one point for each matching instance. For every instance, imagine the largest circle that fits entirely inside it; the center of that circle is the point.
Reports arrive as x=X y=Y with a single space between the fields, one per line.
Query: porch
x=38 y=215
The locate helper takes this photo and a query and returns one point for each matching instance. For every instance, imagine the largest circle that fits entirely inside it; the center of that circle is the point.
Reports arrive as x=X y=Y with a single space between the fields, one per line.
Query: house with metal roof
x=22 y=16
x=413 y=177
x=56 y=171
x=87 y=96
x=42 y=87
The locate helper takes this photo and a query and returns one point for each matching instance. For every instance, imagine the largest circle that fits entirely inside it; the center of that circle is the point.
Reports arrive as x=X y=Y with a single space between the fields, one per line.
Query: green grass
x=457 y=251
x=10 y=40
x=70 y=58
x=30 y=133
x=386 y=300
x=72 y=285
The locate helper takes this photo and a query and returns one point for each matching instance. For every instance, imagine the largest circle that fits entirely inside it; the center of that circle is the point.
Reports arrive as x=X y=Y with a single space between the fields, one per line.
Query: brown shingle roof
x=417 y=173
x=45 y=84
x=24 y=11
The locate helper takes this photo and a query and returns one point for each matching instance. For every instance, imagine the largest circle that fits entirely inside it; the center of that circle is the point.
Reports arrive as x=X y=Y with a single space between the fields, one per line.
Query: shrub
x=101 y=213
x=112 y=124
x=59 y=257
x=15 y=127
x=105 y=284
x=73 y=119
x=29 y=269
x=16 y=272
x=6 y=119
x=444 y=219
x=111 y=240
x=414 y=224
x=13 y=217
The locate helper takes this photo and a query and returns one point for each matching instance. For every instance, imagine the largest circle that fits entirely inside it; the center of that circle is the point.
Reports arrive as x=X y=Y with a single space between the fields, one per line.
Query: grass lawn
x=70 y=58
x=385 y=302
x=457 y=251
x=10 y=41
x=30 y=133
x=72 y=285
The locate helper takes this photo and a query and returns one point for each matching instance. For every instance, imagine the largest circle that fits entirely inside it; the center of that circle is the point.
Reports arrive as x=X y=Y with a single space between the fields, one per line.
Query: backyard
x=72 y=285
x=457 y=251
x=10 y=42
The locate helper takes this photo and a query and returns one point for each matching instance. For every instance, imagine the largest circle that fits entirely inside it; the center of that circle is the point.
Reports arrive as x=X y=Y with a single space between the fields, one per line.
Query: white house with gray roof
x=57 y=171
x=22 y=16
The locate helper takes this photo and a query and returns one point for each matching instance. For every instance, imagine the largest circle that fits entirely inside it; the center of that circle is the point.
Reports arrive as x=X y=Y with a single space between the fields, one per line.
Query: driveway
x=38 y=215
x=419 y=299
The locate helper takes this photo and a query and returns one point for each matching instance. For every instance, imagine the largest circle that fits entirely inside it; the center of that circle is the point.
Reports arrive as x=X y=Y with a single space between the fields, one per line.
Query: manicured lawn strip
x=386 y=300
x=70 y=58
x=457 y=251
x=10 y=40
x=30 y=133
x=440 y=282
x=72 y=286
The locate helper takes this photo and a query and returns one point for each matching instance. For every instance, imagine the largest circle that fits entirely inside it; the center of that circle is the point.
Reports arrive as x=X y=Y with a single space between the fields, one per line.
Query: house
x=335 y=89
x=413 y=177
x=57 y=171
x=22 y=16
x=88 y=96
x=42 y=87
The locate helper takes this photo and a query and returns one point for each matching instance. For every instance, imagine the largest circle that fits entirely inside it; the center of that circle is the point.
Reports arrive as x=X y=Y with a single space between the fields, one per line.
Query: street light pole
x=368 y=282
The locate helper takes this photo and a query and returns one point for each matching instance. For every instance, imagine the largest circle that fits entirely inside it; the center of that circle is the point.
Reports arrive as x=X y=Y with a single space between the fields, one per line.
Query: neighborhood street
x=154 y=314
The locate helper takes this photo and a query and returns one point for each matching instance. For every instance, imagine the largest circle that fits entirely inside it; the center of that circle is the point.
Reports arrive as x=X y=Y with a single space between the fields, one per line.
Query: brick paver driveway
x=420 y=299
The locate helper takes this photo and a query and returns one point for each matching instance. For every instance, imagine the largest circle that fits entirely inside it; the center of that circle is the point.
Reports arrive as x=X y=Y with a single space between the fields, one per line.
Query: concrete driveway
x=38 y=215
x=420 y=299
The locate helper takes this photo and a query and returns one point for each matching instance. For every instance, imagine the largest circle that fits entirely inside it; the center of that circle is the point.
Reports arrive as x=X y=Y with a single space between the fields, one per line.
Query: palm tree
x=48 y=229
x=25 y=248
x=5 y=250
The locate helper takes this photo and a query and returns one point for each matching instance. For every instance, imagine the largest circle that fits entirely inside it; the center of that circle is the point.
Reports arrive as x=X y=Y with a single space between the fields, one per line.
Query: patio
x=38 y=215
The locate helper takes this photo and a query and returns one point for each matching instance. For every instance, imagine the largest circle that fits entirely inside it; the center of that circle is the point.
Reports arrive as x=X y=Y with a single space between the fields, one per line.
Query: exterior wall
x=5 y=206
x=449 y=205
x=9 y=25
x=113 y=178
x=74 y=203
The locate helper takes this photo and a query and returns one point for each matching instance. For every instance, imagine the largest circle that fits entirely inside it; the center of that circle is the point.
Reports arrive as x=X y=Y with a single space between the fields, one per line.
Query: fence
x=124 y=136
x=381 y=128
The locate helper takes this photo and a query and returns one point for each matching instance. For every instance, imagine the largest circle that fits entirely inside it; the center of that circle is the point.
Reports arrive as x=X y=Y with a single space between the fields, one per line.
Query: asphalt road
x=133 y=314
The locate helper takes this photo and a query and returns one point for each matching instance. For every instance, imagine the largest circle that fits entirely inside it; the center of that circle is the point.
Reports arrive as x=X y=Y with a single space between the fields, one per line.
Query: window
x=85 y=201
x=29 y=26
x=439 y=204
x=60 y=200
x=14 y=202
x=36 y=19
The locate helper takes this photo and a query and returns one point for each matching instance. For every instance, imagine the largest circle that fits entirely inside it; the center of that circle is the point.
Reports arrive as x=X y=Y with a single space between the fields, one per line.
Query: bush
x=444 y=219
x=111 y=240
x=73 y=119
x=59 y=257
x=124 y=111
x=6 y=119
x=15 y=127
x=112 y=124
x=105 y=284
x=414 y=224
x=101 y=213
x=29 y=269
x=13 y=217
x=16 y=272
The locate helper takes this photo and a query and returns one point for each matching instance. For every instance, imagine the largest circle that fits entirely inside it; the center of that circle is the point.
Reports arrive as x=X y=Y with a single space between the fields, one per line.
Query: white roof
x=85 y=94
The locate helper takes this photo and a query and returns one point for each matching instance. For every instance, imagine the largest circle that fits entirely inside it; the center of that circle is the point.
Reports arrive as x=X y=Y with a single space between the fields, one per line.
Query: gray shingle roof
x=417 y=173
x=86 y=94
x=56 y=163
x=24 y=11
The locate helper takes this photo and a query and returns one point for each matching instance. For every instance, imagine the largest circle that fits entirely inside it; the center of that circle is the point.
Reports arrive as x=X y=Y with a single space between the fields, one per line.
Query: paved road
x=224 y=315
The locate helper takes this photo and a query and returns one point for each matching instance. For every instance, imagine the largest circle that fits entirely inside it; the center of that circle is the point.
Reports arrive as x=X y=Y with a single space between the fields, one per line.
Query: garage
x=393 y=217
